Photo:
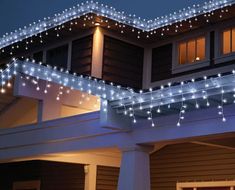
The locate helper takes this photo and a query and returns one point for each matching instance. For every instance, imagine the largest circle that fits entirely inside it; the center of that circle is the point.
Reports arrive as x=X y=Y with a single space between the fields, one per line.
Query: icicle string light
x=58 y=20
x=124 y=100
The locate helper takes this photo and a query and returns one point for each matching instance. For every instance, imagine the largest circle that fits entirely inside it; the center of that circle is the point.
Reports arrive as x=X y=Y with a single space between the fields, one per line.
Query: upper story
x=98 y=41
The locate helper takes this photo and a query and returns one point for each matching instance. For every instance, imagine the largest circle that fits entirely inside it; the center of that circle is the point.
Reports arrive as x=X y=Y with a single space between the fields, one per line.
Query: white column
x=97 y=53
x=135 y=169
x=90 y=176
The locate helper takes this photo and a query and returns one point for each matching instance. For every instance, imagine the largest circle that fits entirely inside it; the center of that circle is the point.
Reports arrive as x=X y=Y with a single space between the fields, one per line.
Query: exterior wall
x=107 y=178
x=190 y=162
x=81 y=58
x=52 y=175
x=122 y=63
x=163 y=69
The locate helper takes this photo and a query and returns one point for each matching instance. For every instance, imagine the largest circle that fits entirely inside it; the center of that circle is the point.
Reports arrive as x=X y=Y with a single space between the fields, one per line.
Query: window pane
x=58 y=56
x=182 y=53
x=201 y=49
x=38 y=56
x=191 y=51
x=233 y=40
x=226 y=42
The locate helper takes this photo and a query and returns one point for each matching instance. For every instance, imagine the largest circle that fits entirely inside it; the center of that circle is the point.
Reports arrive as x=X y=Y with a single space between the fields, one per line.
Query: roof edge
x=111 y=13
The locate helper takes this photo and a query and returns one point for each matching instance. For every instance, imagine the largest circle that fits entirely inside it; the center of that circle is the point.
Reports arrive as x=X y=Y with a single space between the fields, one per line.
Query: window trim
x=178 y=68
x=195 y=185
x=34 y=184
x=219 y=56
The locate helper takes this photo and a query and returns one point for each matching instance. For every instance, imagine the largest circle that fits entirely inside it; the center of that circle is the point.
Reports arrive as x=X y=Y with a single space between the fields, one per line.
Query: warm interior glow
x=192 y=50
x=226 y=42
x=201 y=49
x=182 y=53
x=233 y=40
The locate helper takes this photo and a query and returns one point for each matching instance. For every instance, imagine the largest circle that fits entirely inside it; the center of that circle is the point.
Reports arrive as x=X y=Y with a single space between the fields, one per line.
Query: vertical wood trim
x=90 y=177
x=97 y=53
x=147 y=68
x=69 y=55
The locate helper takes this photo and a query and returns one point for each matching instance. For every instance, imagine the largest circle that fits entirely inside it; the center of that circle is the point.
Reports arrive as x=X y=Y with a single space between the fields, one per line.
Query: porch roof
x=198 y=93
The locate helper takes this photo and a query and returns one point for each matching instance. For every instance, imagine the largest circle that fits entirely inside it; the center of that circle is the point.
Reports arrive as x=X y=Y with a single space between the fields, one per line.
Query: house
x=93 y=98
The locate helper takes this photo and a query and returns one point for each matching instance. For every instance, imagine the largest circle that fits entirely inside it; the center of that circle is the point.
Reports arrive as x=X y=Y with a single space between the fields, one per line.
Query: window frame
x=204 y=184
x=220 y=57
x=177 y=67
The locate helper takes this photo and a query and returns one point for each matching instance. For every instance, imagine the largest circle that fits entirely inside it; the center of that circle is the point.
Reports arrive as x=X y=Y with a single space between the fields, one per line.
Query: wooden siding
x=122 y=63
x=107 y=178
x=81 y=59
x=161 y=62
x=190 y=162
x=53 y=175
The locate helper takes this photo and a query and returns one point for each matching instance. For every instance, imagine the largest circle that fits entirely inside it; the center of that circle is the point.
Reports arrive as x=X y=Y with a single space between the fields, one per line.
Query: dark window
x=161 y=62
x=38 y=57
x=58 y=56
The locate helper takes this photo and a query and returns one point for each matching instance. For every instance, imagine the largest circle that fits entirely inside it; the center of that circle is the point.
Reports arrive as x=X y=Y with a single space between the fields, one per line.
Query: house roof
x=91 y=7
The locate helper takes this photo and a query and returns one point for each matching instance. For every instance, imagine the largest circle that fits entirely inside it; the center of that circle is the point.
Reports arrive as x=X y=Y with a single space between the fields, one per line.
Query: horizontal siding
x=190 y=162
x=71 y=176
x=107 y=178
x=122 y=63
x=81 y=58
x=52 y=175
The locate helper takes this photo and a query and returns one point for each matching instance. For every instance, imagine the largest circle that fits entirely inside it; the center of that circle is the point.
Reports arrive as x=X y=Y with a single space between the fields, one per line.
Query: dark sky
x=18 y=13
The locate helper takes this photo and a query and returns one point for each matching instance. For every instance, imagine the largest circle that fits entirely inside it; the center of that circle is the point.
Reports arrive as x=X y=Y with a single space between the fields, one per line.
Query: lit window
x=229 y=41
x=192 y=51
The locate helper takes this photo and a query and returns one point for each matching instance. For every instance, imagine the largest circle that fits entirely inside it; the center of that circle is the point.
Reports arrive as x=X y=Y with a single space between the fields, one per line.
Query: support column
x=135 y=169
x=97 y=53
x=90 y=176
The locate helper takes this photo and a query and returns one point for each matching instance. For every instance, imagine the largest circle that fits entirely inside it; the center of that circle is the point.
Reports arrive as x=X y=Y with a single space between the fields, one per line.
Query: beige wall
x=23 y=112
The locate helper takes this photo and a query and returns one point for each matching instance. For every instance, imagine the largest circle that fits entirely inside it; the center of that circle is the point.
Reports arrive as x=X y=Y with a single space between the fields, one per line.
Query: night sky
x=18 y=13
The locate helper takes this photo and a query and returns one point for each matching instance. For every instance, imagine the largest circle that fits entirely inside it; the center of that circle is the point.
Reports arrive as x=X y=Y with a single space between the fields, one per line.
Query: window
x=38 y=57
x=58 y=56
x=193 y=50
x=228 y=41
